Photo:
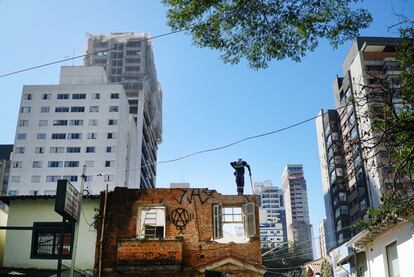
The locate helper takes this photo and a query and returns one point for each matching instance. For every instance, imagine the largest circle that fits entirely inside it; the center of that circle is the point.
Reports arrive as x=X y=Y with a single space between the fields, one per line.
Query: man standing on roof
x=239 y=173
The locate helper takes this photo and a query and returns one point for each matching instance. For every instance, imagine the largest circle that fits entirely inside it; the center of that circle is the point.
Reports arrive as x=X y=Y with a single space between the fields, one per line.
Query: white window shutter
x=217 y=221
x=249 y=219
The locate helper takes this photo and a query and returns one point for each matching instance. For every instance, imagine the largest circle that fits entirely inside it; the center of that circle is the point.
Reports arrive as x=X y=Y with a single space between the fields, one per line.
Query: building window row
x=67 y=96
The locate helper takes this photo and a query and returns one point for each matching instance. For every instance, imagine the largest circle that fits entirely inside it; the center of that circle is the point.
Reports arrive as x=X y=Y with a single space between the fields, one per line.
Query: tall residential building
x=84 y=120
x=5 y=152
x=325 y=244
x=299 y=229
x=128 y=60
x=271 y=214
x=351 y=177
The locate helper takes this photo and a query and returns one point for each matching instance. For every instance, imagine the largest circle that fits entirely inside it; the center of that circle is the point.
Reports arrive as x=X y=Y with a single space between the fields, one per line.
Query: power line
x=88 y=54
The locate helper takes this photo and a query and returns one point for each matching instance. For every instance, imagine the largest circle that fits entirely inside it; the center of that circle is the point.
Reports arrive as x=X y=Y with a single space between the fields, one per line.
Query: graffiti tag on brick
x=160 y=255
x=192 y=194
x=180 y=218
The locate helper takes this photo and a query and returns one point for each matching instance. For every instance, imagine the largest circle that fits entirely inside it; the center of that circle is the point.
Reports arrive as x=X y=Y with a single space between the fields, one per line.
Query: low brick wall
x=137 y=254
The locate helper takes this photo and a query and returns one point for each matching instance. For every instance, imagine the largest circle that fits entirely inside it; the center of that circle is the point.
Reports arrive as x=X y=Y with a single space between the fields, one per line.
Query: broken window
x=151 y=220
x=234 y=223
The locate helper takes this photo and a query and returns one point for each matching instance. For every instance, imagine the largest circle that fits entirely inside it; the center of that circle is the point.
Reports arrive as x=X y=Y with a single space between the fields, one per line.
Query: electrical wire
x=88 y=54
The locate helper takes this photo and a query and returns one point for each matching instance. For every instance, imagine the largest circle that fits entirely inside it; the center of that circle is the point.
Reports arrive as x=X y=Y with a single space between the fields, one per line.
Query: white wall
x=18 y=243
x=403 y=234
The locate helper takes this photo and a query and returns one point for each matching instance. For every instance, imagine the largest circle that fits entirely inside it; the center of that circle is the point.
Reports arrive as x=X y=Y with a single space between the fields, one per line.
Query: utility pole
x=76 y=233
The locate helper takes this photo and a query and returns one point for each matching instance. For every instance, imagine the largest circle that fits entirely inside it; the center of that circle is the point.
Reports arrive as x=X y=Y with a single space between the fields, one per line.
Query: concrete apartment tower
x=299 y=229
x=352 y=178
x=128 y=60
x=84 y=120
x=271 y=214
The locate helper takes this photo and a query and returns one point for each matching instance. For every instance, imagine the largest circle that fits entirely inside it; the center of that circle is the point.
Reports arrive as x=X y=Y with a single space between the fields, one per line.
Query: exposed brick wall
x=197 y=245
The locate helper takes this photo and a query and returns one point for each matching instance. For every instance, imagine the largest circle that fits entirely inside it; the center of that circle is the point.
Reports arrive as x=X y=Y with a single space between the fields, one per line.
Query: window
x=94 y=109
x=60 y=122
x=76 y=109
x=39 y=150
x=89 y=178
x=35 y=179
x=55 y=164
x=52 y=178
x=21 y=136
x=12 y=192
x=23 y=123
x=43 y=122
x=59 y=136
x=41 y=136
x=27 y=96
x=71 y=178
x=91 y=135
x=62 y=109
x=74 y=136
x=111 y=135
x=63 y=96
x=37 y=164
x=96 y=96
x=17 y=164
x=19 y=150
x=392 y=260
x=73 y=149
x=79 y=96
x=90 y=163
x=71 y=164
x=110 y=149
x=25 y=109
x=93 y=122
x=151 y=222
x=108 y=178
x=15 y=179
x=113 y=109
x=90 y=149
x=109 y=163
x=57 y=149
x=113 y=122
x=133 y=52
x=45 y=244
x=133 y=60
x=132 y=68
x=76 y=122
x=227 y=219
x=114 y=95
x=46 y=96
x=44 y=109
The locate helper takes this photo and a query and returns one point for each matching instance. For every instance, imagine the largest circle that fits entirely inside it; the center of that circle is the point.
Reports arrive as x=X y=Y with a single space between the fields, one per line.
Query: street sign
x=67 y=200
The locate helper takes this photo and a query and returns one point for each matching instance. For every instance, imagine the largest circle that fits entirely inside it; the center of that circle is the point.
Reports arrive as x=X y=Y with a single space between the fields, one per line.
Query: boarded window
x=249 y=220
x=217 y=221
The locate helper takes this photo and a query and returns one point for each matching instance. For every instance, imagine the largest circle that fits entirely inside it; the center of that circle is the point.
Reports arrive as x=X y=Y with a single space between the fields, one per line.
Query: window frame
x=139 y=228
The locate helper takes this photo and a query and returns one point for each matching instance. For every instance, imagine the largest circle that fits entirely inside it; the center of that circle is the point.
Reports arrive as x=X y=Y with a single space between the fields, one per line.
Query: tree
x=263 y=30
x=391 y=137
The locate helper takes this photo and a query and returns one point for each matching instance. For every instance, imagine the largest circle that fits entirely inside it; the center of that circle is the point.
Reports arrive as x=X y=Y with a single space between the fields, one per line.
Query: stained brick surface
x=191 y=247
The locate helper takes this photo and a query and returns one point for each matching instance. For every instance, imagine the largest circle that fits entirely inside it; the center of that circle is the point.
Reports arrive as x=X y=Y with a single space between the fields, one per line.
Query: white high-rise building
x=128 y=60
x=84 y=120
x=271 y=213
x=299 y=229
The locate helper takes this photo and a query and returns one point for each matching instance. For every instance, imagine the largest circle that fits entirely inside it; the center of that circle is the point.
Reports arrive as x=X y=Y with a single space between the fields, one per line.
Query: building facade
x=84 y=120
x=178 y=232
x=352 y=175
x=5 y=152
x=272 y=214
x=299 y=229
x=128 y=60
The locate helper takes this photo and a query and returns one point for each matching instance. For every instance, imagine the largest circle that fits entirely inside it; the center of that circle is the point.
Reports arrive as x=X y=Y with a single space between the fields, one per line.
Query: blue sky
x=206 y=103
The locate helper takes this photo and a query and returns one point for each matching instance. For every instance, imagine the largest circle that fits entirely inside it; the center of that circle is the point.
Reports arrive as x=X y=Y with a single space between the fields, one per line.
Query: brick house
x=178 y=232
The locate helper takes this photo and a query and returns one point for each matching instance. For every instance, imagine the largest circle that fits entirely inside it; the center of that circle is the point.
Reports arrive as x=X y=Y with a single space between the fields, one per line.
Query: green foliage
x=326 y=268
x=263 y=30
